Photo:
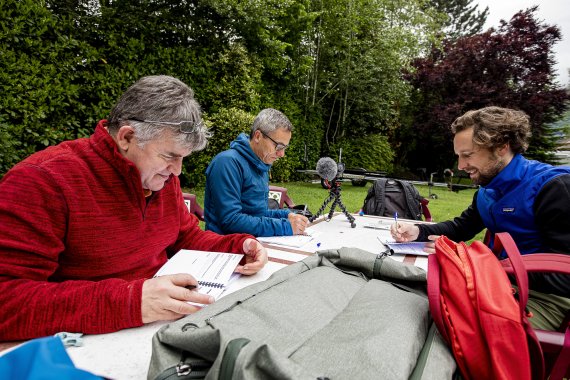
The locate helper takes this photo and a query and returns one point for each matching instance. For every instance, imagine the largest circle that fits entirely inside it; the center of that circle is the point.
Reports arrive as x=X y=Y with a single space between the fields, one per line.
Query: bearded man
x=528 y=199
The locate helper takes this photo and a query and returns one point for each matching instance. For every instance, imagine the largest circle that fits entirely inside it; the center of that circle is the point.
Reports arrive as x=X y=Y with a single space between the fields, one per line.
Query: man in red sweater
x=87 y=223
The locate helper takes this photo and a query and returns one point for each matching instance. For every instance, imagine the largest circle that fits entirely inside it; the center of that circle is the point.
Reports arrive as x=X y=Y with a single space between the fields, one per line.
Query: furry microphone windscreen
x=327 y=168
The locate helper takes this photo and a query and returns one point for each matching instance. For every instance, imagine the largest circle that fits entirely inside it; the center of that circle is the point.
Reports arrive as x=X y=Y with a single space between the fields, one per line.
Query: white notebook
x=213 y=270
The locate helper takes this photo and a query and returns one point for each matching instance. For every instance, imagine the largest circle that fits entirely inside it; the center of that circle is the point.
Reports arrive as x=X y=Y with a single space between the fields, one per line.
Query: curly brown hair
x=495 y=126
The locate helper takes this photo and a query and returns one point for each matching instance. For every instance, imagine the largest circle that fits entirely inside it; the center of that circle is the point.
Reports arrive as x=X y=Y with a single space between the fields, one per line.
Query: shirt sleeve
x=552 y=217
x=552 y=214
x=461 y=228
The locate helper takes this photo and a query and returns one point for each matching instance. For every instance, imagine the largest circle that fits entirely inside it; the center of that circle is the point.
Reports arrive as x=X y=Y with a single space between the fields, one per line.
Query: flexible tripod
x=335 y=197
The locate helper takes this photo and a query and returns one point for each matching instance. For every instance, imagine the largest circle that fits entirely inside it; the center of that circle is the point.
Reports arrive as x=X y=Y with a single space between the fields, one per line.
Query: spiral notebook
x=213 y=270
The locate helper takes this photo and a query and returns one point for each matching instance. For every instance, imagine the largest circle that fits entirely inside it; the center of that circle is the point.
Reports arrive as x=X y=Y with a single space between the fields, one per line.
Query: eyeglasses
x=278 y=146
x=186 y=126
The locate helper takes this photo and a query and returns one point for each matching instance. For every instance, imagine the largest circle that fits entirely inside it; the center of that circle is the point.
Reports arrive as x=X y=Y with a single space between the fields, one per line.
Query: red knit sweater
x=78 y=238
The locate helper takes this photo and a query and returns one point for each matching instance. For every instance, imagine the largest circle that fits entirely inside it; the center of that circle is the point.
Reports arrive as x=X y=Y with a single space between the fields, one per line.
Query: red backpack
x=473 y=305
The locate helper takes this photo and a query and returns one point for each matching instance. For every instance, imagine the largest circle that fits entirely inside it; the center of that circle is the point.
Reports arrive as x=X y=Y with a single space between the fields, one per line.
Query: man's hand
x=298 y=223
x=404 y=232
x=255 y=257
x=165 y=297
x=430 y=245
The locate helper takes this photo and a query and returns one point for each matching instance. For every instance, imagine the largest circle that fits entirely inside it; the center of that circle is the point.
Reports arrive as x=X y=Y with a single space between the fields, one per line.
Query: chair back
x=279 y=194
x=193 y=206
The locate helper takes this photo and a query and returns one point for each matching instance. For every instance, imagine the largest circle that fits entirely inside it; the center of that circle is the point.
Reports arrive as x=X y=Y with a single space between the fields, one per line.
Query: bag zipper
x=193 y=369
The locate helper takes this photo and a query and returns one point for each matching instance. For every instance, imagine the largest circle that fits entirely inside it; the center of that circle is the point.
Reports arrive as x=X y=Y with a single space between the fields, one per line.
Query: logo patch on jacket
x=508 y=209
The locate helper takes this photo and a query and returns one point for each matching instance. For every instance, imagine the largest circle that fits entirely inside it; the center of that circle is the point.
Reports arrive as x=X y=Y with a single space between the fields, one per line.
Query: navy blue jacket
x=237 y=189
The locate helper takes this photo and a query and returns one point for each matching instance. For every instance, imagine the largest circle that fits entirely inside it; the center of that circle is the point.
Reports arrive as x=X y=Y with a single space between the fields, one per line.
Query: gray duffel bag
x=341 y=314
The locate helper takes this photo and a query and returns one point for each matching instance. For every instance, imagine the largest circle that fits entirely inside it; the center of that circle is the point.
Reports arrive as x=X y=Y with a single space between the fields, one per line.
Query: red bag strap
x=434 y=296
x=503 y=240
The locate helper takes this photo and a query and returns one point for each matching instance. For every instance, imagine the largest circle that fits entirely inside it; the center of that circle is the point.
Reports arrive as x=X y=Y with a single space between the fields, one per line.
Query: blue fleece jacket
x=237 y=188
x=507 y=202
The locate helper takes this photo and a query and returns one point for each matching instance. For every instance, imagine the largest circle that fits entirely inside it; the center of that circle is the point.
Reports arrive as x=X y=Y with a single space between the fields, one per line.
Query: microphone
x=327 y=168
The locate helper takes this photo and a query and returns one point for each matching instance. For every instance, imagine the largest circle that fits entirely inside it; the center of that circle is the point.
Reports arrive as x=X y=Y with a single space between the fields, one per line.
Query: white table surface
x=126 y=354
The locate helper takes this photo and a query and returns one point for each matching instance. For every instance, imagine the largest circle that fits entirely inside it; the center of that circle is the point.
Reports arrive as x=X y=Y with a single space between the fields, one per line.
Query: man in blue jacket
x=237 y=182
x=528 y=199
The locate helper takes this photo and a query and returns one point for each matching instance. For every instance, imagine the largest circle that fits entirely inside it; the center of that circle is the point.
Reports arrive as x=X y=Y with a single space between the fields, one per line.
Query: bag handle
x=503 y=240
x=434 y=296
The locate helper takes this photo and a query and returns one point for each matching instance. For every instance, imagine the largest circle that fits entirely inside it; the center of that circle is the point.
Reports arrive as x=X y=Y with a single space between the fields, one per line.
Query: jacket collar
x=508 y=178
x=241 y=144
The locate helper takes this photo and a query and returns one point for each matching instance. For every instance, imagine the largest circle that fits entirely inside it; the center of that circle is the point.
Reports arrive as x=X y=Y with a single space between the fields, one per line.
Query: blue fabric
x=506 y=203
x=41 y=359
x=237 y=188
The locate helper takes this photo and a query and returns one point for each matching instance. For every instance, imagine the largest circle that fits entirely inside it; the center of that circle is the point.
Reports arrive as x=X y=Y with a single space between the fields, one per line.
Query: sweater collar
x=106 y=147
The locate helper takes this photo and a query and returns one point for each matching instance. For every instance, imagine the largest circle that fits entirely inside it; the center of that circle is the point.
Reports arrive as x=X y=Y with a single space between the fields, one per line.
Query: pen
x=396 y=220
x=305 y=211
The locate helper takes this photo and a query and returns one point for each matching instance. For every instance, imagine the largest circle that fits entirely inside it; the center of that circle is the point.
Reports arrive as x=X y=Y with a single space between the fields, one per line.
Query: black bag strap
x=413 y=200
x=380 y=196
x=374 y=203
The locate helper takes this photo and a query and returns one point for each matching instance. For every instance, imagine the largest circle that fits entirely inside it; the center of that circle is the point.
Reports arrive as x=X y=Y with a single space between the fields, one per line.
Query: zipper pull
x=183 y=369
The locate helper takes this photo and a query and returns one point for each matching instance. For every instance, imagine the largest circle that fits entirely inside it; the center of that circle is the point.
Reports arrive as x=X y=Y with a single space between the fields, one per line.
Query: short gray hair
x=160 y=98
x=269 y=120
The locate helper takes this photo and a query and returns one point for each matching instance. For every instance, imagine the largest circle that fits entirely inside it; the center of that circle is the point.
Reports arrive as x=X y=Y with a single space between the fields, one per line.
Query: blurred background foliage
x=381 y=79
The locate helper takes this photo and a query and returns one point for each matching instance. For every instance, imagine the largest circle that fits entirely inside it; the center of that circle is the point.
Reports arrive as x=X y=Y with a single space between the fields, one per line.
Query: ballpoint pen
x=396 y=220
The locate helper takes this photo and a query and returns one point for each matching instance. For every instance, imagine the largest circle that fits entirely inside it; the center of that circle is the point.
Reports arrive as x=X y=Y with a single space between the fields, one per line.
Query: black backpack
x=388 y=196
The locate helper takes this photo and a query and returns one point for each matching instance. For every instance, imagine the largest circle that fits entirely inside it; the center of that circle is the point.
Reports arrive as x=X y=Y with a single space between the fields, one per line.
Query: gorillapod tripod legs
x=335 y=197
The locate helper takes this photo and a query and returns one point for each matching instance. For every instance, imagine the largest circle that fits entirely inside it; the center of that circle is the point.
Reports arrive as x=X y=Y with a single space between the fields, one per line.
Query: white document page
x=213 y=270
x=289 y=241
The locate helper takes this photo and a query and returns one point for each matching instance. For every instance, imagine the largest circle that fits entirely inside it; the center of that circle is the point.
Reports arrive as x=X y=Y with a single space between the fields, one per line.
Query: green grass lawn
x=447 y=205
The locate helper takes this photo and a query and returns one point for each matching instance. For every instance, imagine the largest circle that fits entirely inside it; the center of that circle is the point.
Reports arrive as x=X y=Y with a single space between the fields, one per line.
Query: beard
x=486 y=175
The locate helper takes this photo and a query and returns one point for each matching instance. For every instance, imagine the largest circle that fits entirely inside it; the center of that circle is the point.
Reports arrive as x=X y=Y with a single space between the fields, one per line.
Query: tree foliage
x=510 y=67
x=334 y=67
x=463 y=17
x=358 y=49
x=39 y=78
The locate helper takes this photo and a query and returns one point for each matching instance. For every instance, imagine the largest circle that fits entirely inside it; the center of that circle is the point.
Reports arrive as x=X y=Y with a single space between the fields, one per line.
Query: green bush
x=39 y=78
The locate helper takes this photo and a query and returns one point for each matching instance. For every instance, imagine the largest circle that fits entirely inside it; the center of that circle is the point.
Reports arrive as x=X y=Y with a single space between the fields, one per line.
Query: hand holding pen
x=403 y=232
x=298 y=223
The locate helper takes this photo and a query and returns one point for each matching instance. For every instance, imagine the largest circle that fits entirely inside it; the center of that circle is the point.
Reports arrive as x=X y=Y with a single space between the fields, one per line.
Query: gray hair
x=160 y=98
x=269 y=120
